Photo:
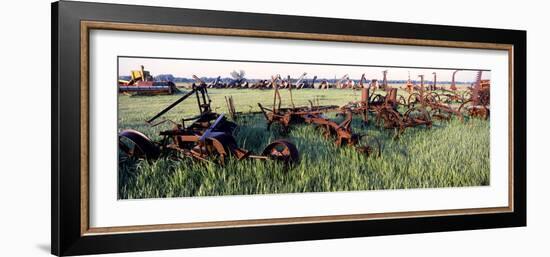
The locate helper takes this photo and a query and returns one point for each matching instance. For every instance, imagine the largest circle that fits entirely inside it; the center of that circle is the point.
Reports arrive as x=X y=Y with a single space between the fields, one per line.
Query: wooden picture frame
x=71 y=25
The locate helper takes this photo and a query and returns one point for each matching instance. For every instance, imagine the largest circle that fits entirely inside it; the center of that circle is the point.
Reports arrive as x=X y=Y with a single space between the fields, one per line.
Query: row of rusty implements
x=209 y=136
x=345 y=82
x=420 y=107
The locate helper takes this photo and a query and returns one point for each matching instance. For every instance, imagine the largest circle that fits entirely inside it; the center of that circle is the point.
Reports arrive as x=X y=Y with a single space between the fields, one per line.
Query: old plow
x=288 y=116
x=371 y=101
x=208 y=137
x=448 y=103
x=386 y=109
x=438 y=105
x=390 y=118
x=315 y=115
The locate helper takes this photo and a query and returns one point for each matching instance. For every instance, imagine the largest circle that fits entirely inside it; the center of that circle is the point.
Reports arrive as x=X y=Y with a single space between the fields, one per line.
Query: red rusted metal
x=384 y=85
x=434 y=85
x=478 y=103
x=453 y=82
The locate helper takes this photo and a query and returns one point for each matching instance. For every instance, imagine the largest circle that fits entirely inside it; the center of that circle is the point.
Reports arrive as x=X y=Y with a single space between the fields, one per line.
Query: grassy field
x=451 y=154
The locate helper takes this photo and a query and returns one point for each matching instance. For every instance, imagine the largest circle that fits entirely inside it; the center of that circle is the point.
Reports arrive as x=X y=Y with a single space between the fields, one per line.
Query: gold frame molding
x=87 y=26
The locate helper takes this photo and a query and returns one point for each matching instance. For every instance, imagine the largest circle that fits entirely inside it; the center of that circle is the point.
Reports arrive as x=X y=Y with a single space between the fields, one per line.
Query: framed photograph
x=178 y=128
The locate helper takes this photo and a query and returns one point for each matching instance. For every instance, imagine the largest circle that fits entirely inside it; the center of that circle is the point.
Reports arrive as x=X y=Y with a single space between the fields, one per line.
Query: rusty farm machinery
x=209 y=135
x=473 y=102
x=386 y=108
x=477 y=100
x=393 y=111
x=287 y=116
x=315 y=115
x=207 y=138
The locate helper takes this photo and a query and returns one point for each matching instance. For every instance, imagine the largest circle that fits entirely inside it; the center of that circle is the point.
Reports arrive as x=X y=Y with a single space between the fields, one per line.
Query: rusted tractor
x=208 y=138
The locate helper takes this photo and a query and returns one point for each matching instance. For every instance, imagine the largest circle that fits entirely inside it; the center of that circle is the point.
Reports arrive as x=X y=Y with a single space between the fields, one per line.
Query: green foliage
x=238 y=75
x=451 y=154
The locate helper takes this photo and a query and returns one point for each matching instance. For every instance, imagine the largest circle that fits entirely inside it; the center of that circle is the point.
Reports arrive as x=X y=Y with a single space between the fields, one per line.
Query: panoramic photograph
x=200 y=127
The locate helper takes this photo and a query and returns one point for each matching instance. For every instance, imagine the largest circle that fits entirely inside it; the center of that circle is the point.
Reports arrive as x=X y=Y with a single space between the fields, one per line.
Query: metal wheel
x=432 y=97
x=388 y=119
x=372 y=147
x=282 y=150
x=402 y=101
x=134 y=144
x=413 y=99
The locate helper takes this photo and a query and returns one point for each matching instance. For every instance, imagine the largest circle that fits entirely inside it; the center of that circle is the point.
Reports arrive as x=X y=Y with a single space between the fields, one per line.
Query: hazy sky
x=258 y=70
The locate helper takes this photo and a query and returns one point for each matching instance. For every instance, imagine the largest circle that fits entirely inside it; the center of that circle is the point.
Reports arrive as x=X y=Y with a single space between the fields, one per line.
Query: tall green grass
x=451 y=154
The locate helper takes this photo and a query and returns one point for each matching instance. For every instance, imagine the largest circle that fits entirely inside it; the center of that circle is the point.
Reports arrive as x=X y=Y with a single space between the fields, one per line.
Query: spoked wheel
x=413 y=99
x=372 y=147
x=282 y=150
x=135 y=145
x=432 y=97
x=388 y=119
x=402 y=101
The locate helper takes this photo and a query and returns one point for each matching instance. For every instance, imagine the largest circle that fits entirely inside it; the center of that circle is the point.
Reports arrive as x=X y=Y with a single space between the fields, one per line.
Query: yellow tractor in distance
x=143 y=83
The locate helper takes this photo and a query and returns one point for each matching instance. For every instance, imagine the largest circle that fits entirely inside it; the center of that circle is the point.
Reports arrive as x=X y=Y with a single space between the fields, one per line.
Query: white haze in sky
x=258 y=70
